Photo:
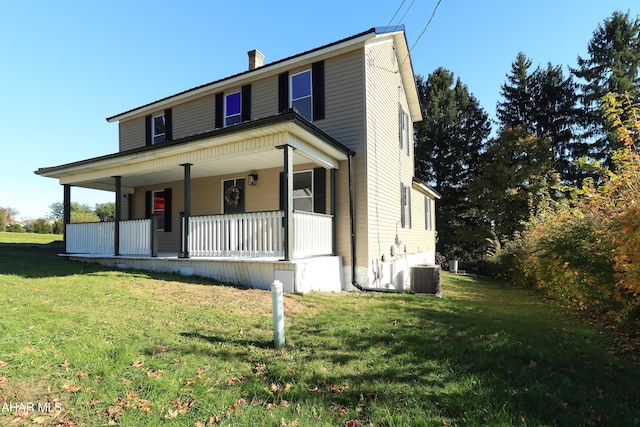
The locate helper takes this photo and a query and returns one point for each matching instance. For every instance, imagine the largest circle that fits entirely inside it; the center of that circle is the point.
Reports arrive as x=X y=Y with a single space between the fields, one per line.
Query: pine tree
x=543 y=103
x=555 y=117
x=516 y=109
x=448 y=143
x=612 y=66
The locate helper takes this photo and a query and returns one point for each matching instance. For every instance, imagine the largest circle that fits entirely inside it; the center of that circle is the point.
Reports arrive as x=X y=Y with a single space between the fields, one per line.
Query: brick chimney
x=256 y=59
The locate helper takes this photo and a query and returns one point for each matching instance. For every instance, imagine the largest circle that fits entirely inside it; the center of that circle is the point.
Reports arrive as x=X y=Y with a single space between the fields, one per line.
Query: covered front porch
x=227 y=204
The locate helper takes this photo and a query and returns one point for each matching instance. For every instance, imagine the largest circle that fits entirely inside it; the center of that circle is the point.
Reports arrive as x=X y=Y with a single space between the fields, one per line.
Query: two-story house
x=300 y=170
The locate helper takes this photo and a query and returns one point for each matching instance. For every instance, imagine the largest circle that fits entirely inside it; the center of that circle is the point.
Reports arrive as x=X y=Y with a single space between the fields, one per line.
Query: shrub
x=585 y=250
x=40 y=226
x=15 y=228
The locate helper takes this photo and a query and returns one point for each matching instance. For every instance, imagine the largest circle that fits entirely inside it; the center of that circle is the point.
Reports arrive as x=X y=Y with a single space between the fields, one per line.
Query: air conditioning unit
x=425 y=279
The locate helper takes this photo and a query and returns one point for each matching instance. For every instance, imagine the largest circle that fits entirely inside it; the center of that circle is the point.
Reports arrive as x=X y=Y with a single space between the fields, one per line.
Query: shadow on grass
x=225 y=340
x=33 y=261
x=474 y=361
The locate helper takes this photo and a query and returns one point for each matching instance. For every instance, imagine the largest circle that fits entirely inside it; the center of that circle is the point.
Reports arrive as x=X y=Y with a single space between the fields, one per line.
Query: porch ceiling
x=237 y=150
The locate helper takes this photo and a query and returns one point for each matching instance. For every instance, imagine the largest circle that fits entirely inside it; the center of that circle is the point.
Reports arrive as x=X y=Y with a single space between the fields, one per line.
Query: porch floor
x=321 y=273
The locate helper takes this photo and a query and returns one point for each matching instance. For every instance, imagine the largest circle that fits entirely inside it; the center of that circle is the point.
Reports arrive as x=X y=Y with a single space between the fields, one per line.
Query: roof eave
x=115 y=158
x=426 y=189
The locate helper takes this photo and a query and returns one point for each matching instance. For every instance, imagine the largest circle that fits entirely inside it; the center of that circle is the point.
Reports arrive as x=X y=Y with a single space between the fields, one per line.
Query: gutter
x=353 y=245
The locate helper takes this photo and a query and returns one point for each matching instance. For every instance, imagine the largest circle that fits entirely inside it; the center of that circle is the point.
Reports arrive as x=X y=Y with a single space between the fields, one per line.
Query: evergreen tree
x=516 y=109
x=612 y=66
x=448 y=143
x=543 y=103
x=556 y=117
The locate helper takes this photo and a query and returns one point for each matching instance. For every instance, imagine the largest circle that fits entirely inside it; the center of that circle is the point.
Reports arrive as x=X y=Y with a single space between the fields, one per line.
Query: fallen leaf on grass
x=72 y=388
x=533 y=364
x=144 y=406
x=92 y=402
x=137 y=363
x=65 y=365
x=238 y=403
x=340 y=410
x=38 y=420
x=154 y=374
x=353 y=423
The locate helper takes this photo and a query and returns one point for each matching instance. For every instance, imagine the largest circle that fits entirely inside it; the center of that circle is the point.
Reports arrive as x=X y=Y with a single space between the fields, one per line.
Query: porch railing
x=257 y=234
x=312 y=234
x=98 y=237
x=90 y=238
x=248 y=234
x=135 y=237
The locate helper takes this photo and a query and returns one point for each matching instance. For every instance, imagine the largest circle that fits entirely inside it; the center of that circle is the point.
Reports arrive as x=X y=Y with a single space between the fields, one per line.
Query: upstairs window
x=301 y=99
x=404 y=129
x=233 y=109
x=159 y=129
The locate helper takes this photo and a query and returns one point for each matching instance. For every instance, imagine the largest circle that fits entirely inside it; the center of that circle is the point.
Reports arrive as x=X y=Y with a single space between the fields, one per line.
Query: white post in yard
x=278 y=313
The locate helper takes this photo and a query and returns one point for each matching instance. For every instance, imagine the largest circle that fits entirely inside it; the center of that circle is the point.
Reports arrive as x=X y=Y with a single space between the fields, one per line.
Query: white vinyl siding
x=390 y=165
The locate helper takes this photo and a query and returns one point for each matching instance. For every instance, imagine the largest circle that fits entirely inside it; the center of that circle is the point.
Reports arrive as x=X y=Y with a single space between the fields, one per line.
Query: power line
x=394 y=15
x=406 y=11
x=423 y=31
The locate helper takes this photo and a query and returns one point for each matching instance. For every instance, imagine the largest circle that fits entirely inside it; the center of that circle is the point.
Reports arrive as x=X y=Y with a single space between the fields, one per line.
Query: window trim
x=160 y=137
x=428 y=209
x=405 y=205
x=312 y=197
x=238 y=115
x=310 y=96
x=403 y=119
x=161 y=226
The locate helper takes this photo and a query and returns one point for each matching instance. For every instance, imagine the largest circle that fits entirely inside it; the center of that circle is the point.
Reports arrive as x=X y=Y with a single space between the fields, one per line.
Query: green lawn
x=110 y=347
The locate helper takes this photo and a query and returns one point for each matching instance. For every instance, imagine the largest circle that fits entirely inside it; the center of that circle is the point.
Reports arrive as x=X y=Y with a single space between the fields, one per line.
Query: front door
x=233 y=195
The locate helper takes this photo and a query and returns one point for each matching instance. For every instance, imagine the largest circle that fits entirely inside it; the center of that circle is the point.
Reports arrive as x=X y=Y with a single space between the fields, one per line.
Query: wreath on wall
x=232 y=196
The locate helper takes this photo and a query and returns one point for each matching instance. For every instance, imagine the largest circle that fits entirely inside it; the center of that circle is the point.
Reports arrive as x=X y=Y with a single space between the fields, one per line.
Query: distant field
x=28 y=238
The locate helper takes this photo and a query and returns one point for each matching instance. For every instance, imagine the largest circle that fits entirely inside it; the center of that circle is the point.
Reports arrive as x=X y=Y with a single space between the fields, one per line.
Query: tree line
x=549 y=123
x=53 y=223
x=550 y=201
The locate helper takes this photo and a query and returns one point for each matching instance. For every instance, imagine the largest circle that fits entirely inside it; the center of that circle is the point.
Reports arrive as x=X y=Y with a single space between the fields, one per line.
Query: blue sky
x=67 y=65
